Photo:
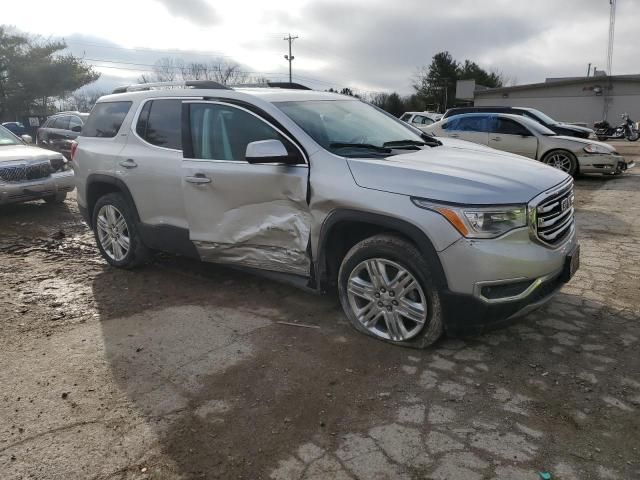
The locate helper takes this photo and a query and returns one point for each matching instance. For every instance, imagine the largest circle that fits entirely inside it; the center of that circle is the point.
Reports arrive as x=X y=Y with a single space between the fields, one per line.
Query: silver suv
x=418 y=235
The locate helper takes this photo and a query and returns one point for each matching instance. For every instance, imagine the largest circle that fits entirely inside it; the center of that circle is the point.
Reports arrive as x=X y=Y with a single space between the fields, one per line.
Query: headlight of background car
x=480 y=222
x=592 y=148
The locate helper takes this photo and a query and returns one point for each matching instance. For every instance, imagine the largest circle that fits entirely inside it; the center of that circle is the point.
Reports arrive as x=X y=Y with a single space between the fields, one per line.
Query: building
x=582 y=100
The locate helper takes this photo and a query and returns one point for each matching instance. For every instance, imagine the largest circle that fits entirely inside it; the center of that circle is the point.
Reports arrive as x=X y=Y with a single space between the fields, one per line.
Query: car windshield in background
x=351 y=128
x=537 y=127
x=8 y=138
x=542 y=116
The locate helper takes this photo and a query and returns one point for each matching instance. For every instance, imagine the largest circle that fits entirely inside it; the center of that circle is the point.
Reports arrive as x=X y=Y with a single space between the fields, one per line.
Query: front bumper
x=467 y=314
x=58 y=182
x=603 y=163
x=493 y=281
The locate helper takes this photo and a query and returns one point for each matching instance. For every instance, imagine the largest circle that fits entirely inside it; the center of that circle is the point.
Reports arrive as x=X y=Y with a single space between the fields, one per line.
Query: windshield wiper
x=360 y=145
x=413 y=144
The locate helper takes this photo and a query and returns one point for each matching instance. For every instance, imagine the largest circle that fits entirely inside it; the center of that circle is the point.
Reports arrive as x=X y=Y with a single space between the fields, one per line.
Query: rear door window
x=160 y=123
x=406 y=117
x=106 y=119
x=74 y=122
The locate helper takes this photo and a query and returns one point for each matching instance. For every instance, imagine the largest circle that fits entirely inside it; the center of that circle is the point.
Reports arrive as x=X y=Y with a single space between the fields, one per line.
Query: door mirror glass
x=268 y=151
x=26 y=138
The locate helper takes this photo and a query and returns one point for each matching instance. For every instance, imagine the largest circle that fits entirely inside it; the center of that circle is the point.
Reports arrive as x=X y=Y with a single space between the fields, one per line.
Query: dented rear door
x=254 y=215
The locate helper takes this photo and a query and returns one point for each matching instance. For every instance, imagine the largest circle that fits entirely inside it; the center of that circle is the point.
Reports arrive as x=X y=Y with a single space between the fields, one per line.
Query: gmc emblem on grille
x=565 y=204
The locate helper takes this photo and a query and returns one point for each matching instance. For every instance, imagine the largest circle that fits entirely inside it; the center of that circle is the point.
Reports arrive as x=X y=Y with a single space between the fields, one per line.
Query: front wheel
x=387 y=292
x=562 y=160
x=632 y=136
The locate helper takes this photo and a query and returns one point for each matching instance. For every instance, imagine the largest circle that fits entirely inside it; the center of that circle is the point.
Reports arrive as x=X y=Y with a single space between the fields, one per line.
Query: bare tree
x=82 y=100
x=170 y=69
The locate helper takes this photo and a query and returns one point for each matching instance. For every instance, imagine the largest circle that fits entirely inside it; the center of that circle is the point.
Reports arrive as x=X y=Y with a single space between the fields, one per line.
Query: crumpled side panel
x=272 y=235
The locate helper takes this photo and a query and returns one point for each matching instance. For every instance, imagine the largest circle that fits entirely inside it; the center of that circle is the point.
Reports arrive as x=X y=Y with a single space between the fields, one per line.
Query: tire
x=633 y=137
x=57 y=198
x=393 y=255
x=562 y=160
x=114 y=227
x=603 y=138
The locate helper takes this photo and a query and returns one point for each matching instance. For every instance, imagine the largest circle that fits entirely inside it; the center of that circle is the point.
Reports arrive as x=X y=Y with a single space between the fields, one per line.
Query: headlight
x=592 y=148
x=480 y=222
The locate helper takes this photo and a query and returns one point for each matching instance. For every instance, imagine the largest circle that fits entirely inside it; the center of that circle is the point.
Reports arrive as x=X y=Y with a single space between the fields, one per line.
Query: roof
x=560 y=82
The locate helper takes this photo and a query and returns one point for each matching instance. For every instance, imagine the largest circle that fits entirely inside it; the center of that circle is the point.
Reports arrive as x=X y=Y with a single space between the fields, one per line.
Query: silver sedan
x=522 y=136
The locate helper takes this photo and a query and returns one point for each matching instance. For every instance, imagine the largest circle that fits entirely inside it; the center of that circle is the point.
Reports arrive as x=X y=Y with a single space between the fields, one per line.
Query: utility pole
x=612 y=29
x=290 y=57
x=589 y=70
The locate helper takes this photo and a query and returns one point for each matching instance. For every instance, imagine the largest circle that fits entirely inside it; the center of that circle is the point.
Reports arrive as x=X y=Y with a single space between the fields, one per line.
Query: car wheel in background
x=116 y=232
x=562 y=160
x=57 y=198
x=387 y=292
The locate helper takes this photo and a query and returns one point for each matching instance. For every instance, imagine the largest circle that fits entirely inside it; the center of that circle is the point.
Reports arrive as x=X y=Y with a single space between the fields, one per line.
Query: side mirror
x=269 y=151
x=26 y=138
x=77 y=129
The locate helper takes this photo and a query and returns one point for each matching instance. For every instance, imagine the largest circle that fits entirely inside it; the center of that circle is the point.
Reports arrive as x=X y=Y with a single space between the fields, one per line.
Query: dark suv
x=60 y=130
x=558 y=127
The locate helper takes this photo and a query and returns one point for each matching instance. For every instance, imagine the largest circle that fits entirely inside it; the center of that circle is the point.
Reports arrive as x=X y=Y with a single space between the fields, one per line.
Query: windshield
x=351 y=127
x=8 y=138
x=541 y=116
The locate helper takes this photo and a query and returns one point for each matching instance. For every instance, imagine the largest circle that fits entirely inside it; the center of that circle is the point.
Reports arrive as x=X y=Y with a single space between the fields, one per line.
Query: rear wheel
x=387 y=292
x=562 y=160
x=116 y=232
x=602 y=138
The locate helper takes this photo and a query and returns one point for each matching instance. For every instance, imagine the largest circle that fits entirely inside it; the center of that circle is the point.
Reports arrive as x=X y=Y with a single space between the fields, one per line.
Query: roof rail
x=292 y=86
x=197 y=84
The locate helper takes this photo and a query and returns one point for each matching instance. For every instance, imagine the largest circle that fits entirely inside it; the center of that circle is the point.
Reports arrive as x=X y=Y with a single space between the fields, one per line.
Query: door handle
x=496 y=139
x=128 y=163
x=454 y=135
x=198 y=179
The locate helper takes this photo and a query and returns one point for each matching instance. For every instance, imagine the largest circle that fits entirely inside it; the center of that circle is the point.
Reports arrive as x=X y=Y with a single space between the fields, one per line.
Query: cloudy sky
x=368 y=45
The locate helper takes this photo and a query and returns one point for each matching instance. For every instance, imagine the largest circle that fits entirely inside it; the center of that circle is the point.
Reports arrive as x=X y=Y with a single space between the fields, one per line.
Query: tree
x=82 y=100
x=32 y=72
x=436 y=84
x=169 y=69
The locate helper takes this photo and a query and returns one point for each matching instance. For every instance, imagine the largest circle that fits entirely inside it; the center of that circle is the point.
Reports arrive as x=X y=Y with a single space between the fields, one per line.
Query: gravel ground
x=180 y=370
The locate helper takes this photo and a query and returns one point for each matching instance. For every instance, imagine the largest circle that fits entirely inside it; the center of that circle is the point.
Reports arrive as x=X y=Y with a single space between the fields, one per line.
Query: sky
x=367 y=45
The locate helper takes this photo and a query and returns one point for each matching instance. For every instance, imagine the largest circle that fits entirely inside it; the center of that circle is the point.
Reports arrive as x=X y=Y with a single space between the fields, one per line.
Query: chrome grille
x=554 y=215
x=25 y=172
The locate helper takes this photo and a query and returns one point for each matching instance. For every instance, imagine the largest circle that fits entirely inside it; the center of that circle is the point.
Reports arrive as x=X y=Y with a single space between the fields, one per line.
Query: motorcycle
x=627 y=129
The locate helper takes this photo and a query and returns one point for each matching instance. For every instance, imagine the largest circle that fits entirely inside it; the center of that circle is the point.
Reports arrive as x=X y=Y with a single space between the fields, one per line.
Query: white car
x=522 y=136
x=420 y=119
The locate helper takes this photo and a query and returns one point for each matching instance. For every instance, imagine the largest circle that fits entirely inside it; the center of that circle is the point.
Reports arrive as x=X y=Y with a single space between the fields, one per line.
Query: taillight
x=74 y=149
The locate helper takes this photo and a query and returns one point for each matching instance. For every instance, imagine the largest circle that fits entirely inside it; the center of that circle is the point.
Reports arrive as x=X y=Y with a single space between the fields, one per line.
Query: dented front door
x=254 y=215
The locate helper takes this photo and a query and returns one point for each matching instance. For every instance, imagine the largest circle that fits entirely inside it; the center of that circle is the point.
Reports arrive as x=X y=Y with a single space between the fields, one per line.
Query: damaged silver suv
x=418 y=235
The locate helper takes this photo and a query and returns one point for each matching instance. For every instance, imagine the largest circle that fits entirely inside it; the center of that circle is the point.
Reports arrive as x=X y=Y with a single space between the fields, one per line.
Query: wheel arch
x=344 y=228
x=99 y=185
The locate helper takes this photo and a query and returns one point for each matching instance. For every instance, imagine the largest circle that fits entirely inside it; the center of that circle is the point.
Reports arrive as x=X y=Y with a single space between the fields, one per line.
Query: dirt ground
x=180 y=370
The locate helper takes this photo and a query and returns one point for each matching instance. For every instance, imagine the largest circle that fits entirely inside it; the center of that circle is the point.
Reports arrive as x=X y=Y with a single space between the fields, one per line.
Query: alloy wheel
x=387 y=299
x=559 y=160
x=113 y=232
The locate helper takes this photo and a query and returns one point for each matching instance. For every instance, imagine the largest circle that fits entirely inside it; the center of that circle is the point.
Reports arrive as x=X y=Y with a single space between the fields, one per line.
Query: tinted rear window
x=61 y=122
x=159 y=123
x=106 y=119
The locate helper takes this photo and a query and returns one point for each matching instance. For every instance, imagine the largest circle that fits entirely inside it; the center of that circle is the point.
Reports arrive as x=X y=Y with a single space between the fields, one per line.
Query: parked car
x=420 y=119
x=559 y=128
x=31 y=173
x=523 y=136
x=417 y=235
x=60 y=130
x=16 y=128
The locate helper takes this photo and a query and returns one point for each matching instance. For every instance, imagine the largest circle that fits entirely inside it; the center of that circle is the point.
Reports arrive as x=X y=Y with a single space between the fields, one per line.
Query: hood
x=583 y=142
x=575 y=128
x=10 y=153
x=458 y=174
